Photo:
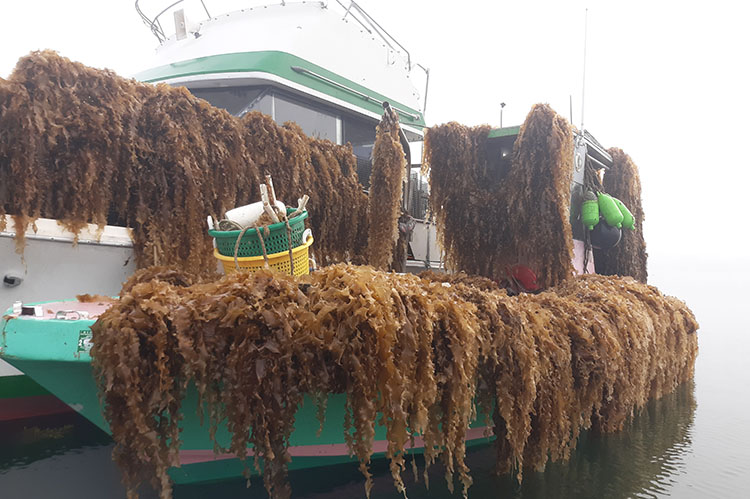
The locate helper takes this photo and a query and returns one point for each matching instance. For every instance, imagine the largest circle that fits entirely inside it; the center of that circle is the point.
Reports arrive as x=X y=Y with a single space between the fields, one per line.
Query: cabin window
x=361 y=135
x=419 y=197
x=359 y=132
x=314 y=122
x=236 y=100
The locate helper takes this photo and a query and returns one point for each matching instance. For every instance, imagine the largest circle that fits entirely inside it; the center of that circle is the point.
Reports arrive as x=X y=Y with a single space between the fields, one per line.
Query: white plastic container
x=250 y=213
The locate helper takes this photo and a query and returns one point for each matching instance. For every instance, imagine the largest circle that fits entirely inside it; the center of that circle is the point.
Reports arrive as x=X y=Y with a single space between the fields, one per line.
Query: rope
x=289 y=245
x=266 y=232
x=592 y=183
x=226 y=224
x=260 y=238
x=586 y=250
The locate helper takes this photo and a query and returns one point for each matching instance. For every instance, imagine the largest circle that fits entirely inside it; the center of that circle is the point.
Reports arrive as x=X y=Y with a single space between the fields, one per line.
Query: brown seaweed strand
x=537 y=191
x=386 y=185
x=141 y=376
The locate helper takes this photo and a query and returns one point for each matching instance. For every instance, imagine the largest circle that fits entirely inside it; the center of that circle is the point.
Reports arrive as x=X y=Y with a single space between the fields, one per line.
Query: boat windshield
x=315 y=120
x=236 y=100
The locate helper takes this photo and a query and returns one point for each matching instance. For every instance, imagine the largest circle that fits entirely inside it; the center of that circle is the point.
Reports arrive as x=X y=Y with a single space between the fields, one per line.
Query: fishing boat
x=328 y=66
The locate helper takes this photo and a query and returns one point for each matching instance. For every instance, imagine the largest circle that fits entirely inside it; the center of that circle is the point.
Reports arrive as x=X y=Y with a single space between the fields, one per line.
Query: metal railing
x=155 y=24
x=355 y=12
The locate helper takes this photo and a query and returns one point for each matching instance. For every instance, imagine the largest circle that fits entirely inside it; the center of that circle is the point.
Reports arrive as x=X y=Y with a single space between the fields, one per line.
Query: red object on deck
x=525 y=276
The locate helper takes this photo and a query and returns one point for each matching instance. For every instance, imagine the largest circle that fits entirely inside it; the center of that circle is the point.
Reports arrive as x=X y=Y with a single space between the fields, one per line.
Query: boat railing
x=359 y=14
x=356 y=12
x=155 y=24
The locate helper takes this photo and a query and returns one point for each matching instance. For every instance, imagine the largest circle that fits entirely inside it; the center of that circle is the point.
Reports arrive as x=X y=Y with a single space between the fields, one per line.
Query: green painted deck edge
x=504 y=132
x=17 y=386
x=26 y=338
x=279 y=64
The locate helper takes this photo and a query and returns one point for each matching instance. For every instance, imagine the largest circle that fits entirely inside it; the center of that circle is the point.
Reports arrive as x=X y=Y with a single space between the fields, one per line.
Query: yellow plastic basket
x=277 y=261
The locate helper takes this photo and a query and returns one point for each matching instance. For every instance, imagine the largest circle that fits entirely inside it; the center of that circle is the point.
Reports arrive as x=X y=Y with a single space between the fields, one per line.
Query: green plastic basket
x=276 y=241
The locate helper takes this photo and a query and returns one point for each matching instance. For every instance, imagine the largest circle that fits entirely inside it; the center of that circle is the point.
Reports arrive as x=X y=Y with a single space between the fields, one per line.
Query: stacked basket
x=247 y=250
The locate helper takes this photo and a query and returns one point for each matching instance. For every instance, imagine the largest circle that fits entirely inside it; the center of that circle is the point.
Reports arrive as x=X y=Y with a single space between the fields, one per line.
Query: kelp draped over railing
x=629 y=257
x=82 y=145
x=421 y=351
x=487 y=224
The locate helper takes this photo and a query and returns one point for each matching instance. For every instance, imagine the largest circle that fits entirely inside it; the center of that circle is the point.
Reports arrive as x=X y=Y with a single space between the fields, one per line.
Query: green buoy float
x=628 y=221
x=609 y=210
x=590 y=210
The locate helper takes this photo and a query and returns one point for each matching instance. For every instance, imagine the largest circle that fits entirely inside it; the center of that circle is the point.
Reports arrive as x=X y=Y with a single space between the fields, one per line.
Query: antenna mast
x=583 y=85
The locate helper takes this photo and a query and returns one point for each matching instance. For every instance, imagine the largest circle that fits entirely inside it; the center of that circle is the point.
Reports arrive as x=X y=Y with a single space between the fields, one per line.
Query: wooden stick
x=266 y=205
x=271 y=191
x=301 y=203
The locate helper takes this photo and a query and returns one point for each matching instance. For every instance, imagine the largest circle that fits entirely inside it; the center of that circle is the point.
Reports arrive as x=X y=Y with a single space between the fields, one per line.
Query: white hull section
x=424 y=247
x=8 y=370
x=52 y=267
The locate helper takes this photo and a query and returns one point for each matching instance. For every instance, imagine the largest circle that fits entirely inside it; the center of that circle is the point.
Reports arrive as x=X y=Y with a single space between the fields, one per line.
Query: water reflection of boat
x=641 y=461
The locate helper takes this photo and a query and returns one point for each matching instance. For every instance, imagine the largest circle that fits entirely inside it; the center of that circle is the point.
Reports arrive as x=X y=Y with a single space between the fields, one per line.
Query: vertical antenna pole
x=571 y=108
x=583 y=85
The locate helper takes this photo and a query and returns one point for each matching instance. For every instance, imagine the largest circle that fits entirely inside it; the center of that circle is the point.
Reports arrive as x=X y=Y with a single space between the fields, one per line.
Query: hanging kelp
x=82 y=145
x=386 y=181
x=470 y=226
x=489 y=221
x=629 y=257
x=411 y=353
x=538 y=196
x=321 y=169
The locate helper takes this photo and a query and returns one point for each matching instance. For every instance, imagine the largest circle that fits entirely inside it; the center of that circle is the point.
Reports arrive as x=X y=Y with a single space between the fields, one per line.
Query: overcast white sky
x=667 y=81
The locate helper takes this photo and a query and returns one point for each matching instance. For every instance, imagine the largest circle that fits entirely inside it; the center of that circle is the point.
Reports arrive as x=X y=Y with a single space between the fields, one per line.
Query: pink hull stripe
x=94 y=309
x=29 y=407
x=321 y=450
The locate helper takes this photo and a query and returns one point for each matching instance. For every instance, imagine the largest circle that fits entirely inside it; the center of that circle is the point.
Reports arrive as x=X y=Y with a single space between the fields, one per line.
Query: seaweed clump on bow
x=422 y=356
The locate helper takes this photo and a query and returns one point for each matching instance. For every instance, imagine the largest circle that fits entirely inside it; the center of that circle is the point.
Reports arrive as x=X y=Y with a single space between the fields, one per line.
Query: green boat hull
x=54 y=353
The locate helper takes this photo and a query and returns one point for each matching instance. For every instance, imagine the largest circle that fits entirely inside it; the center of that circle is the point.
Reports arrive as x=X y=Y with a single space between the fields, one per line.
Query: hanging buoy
x=609 y=210
x=628 y=221
x=589 y=210
x=605 y=236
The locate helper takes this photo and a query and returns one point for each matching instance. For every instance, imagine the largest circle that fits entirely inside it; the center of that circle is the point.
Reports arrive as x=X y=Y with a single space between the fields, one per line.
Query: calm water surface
x=694 y=443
